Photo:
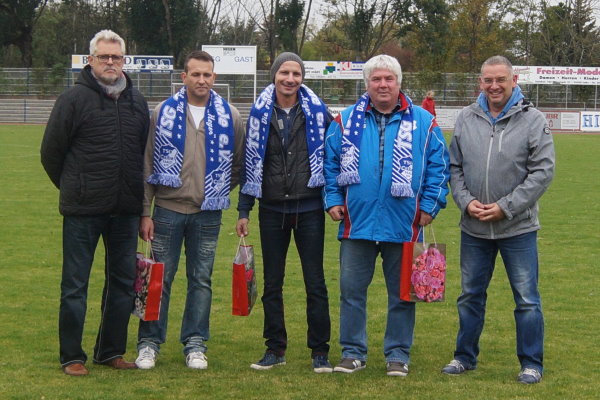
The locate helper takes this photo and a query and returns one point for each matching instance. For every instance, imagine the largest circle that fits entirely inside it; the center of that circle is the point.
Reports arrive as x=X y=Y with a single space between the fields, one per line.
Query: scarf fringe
x=402 y=190
x=215 y=203
x=348 y=178
x=316 y=181
x=165 y=180
x=252 y=189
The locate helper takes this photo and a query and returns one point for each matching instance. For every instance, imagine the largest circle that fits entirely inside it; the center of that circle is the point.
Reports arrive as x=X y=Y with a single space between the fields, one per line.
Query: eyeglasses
x=105 y=57
x=490 y=81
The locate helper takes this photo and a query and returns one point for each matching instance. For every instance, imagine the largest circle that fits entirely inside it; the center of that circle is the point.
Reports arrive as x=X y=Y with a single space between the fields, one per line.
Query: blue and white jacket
x=371 y=213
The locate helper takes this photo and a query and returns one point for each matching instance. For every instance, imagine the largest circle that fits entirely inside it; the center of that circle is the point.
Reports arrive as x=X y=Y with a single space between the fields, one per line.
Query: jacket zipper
x=487 y=174
x=120 y=139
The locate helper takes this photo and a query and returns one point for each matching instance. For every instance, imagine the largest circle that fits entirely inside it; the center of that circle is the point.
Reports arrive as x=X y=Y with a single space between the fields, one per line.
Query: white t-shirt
x=197 y=114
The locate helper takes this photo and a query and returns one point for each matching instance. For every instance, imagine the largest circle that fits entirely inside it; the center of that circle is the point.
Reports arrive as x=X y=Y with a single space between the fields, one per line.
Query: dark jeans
x=309 y=231
x=80 y=238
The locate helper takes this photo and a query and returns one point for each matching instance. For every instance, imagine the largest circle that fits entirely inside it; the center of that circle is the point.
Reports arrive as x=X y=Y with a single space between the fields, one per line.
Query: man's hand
x=241 y=228
x=485 y=212
x=336 y=213
x=146 y=229
x=425 y=219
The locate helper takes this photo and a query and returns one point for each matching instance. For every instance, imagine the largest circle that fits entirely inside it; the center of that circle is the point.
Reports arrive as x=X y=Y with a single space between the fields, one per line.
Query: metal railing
x=452 y=89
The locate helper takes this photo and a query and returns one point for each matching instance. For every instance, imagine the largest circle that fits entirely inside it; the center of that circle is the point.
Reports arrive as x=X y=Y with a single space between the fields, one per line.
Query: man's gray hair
x=106 y=35
x=498 y=60
x=382 y=61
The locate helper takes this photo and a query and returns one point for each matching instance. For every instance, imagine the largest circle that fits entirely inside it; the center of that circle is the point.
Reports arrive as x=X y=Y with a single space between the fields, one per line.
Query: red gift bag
x=423 y=271
x=243 y=287
x=148 y=288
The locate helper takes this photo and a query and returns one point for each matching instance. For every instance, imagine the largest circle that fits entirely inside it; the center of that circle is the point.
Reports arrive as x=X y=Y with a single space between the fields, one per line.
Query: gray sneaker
x=529 y=376
x=268 y=361
x=395 y=368
x=456 y=367
x=349 y=365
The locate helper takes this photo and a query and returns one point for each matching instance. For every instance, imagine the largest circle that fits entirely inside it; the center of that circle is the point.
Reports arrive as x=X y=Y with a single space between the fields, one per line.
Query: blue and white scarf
x=257 y=134
x=169 y=146
x=402 y=161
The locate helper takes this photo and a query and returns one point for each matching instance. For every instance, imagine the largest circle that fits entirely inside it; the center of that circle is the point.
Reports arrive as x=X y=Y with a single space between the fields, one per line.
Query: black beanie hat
x=283 y=57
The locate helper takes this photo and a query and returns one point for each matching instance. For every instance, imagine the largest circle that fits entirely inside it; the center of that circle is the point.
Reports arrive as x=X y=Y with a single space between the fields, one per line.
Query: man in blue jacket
x=386 y=172
x=502 y=161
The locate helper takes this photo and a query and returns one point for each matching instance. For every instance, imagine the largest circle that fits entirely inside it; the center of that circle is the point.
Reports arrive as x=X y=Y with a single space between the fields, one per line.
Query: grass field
x=30 y=255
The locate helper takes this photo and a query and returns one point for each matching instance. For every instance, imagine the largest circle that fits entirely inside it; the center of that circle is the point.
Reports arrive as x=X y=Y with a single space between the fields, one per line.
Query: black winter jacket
x=286 y=172
x=93 y=148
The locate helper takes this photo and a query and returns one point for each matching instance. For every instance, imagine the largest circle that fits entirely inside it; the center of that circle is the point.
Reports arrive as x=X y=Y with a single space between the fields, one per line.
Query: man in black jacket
x=93 y=150
x=284 y=169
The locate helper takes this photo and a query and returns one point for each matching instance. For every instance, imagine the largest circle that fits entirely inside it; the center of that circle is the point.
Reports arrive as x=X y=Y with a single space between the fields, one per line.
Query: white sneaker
x=146 y=358
x=196 y=360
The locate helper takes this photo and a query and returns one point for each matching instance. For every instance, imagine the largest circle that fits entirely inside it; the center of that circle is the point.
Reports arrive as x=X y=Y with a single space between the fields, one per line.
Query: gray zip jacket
x=510 y=163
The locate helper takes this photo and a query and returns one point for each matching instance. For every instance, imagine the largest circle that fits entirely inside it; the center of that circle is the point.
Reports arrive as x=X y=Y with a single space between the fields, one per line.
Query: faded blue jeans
x=200 y=232
x=477 y=260
x=357 y=266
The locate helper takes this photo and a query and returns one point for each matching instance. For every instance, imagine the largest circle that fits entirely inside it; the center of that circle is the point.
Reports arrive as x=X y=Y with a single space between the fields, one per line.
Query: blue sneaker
x=529 y=376
x=456 y=367
x=321 y=364
x=268 y=361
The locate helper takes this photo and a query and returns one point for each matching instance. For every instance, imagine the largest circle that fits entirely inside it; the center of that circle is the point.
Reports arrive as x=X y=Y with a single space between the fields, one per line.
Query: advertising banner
x=590 y=121
x=557 y=75
x=233 y=60
x=333 y=69
x=131 y=63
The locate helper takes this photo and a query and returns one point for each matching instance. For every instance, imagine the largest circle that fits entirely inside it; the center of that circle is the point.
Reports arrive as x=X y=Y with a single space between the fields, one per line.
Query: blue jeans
x=200 y=232
x=80 y=238
x=309 y=231
x=357 y=265
x=477 y=259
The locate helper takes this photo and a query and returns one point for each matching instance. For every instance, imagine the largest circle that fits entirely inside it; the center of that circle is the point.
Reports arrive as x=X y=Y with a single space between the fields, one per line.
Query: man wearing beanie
x=284 y=170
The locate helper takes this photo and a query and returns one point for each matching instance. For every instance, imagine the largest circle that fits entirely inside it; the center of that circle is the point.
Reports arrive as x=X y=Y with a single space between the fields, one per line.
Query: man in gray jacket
x=501 y=162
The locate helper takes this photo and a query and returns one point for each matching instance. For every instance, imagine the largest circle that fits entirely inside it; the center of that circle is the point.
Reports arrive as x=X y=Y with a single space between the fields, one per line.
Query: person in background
x=429 y=102
x=192 y=161
x=502 y=161
x=284 y=170
x=93 y=150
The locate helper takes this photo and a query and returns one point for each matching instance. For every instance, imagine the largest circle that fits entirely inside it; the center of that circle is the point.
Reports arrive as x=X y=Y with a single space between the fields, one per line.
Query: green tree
x=165 y=27
x=18 y=19
x=426 y=29
x=475 y=34
x=288 y=17
x=367 y=25
x=568 y=35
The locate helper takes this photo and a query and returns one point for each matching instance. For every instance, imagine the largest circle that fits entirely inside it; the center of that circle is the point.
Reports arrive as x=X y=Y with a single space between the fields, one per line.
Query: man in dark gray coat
x=92 y=151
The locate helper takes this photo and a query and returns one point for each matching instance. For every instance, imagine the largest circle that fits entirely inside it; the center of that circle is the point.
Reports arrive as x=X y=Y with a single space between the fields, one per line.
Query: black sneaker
x=321 y=364
x=268 y=361
x=395 y=368
x=349 y=365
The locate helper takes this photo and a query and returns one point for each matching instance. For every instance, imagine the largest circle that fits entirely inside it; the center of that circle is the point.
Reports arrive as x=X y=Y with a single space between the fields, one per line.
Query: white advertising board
x=553 y=118
x=557 y=75
x=131 y=63
x=590 y=121
x=233 y=60
x=446 y=117
x=333 y=69
x=570 y=121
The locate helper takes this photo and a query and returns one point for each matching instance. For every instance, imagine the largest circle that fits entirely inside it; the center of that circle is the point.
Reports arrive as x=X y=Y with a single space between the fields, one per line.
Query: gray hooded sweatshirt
x=509 y=162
